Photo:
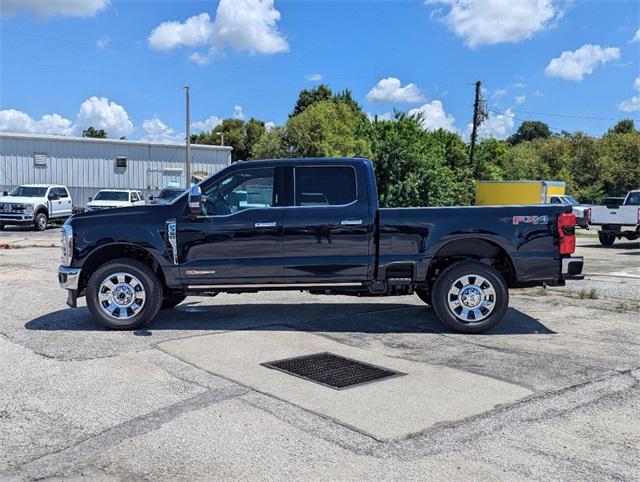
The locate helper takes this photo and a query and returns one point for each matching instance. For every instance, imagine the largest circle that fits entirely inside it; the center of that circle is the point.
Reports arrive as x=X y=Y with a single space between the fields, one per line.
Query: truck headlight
x=28 y=208
x=67 y=244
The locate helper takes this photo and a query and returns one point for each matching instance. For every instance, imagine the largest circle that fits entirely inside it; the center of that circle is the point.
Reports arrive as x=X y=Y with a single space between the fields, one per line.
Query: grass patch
x=588 y=294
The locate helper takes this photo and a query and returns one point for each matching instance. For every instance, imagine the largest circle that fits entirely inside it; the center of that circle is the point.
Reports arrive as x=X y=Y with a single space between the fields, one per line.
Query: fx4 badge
x=530 y=220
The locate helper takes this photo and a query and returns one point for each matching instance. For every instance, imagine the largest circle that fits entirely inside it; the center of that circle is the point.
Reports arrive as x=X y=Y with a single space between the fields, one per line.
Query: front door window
x=252 y=188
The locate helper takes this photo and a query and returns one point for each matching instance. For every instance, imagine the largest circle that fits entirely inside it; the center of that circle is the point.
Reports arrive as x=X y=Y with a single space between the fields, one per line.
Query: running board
x=274 y=285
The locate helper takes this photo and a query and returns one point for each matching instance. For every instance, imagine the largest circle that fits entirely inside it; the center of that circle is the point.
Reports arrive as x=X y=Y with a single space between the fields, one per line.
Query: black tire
x=40 y=222
x=496 y=304
x=424 y=295
x=150 y=284
x=606 y=239
x=171 y=300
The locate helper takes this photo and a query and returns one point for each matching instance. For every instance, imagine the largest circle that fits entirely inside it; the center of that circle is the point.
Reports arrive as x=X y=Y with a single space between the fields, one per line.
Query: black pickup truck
x=312 y=225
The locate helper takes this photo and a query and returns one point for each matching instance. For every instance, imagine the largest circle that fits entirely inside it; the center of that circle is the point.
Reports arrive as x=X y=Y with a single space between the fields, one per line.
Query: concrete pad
x=385 y=410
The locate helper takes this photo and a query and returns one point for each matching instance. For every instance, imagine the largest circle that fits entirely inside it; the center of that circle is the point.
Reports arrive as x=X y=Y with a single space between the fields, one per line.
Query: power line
x=556 y=129
x=569 y=116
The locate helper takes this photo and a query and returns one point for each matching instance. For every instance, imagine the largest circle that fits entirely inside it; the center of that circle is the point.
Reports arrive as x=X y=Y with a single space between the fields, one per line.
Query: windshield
x=169 y=193
x=571 y=200
x=28 y=191
x=111 y=196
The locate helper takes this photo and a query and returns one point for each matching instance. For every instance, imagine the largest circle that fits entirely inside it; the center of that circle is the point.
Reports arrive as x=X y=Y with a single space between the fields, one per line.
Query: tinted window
x=252 y=188
x=112 y=196
x=61 y=192
x=325 y=186
x=633 y=199
x=555 y=200
x=134 y=197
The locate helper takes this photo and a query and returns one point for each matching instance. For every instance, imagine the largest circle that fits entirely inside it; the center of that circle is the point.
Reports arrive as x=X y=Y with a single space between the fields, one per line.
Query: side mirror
x=150 y=197
x=195 y=201
x=5 y=193
x=53 y=197
x=90 y=199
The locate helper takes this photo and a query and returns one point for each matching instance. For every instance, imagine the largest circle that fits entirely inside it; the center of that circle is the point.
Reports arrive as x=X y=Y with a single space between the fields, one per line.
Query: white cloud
x=193 y=32
x=244 y=25
x=636 y=37
x=200 y=59
x=249 y=25
x=574 y=65
x=269 y=125
x=630 y=105
x=386 y=116
x=101 y=113
x=490 y=22
x=636 y=83
x=499 y=93
x=498 y=126
x=519 y=99
x=434 y=117
x=103 y=41
x=50 y=8
x=391 y=90
x=314 y=77
x=538 y=93
x=238 y=113
x=12 y=120
x=207 y=124
x=157 y=131
x=519 y=85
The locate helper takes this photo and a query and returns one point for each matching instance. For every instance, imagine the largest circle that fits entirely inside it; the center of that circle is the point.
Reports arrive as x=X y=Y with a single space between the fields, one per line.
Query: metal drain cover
x=332 y=371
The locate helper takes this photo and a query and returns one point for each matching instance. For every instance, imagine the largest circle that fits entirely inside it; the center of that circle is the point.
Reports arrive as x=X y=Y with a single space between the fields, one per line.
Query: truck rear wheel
x=606 y=239
x=470 y=297
x=40 y=222
x=124 y=294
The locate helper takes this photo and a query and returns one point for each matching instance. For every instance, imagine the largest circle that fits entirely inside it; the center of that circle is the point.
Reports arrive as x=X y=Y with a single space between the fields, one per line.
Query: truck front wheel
x=40 y=222
x=470 y=297
x=124 y=294
x=606 y=239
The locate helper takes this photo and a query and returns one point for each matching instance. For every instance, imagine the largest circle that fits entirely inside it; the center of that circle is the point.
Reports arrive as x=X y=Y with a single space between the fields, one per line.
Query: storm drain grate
x=332 y=370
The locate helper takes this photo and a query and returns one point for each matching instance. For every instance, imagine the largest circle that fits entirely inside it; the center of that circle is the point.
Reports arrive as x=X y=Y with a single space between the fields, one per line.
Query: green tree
x=326 y=128
x=96 y=133
x=309 y=97
x=234 y=136
x=528 y=131
x=271 y=145
x=254 y=129
x=625 y=126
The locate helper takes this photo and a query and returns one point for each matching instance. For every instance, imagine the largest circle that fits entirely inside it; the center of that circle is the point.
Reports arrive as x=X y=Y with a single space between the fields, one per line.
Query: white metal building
x=86 y=165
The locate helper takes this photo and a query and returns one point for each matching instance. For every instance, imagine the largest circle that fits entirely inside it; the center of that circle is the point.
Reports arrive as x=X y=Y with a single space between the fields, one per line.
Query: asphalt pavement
x=552 y=393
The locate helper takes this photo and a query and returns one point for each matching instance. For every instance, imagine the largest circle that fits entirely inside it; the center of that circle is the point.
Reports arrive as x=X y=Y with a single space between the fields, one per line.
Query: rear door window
x=325 y=185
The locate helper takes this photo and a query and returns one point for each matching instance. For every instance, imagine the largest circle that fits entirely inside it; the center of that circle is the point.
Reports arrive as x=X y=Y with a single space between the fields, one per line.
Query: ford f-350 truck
x=312 y=225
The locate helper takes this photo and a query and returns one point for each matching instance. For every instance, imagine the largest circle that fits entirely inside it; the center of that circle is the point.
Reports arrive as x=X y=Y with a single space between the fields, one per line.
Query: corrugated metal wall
x=86 y=166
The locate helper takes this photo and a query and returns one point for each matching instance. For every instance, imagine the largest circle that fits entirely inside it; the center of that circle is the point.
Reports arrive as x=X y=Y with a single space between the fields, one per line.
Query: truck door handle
x=271 y=224
x=351 y=222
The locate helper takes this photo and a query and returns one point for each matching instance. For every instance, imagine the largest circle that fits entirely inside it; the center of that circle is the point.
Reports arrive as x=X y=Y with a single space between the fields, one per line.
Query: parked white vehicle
x=618 y=222
x=115 y=198
x=35 y=205
x=582 y=211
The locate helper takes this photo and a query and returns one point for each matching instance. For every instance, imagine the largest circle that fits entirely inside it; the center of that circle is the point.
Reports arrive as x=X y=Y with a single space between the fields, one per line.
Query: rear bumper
x=616 y=228
x=572 y=267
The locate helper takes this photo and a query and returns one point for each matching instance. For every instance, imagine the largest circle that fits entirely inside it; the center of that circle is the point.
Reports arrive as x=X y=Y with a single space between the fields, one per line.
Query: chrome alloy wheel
x=42 y=223
x=471 y=298
x=121 y=295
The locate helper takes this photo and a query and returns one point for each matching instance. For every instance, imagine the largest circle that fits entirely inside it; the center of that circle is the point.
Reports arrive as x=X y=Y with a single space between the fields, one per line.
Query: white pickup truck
x=115 y=198
x=618 y=222
x=35 y=205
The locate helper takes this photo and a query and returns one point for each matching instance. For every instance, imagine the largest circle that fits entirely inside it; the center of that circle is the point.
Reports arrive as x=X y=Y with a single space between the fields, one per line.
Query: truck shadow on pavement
x=314 y=317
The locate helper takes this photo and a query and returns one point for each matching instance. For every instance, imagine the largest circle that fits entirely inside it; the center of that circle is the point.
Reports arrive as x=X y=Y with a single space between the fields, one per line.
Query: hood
x=21 y=200
x=108 y=204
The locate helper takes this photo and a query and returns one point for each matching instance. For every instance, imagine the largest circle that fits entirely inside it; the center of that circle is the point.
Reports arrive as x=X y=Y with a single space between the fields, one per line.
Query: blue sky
x=120 y=65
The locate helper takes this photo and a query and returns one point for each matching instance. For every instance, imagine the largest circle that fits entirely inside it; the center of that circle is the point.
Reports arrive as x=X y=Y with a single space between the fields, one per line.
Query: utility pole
x=476 y=123
x=187 y=160
x=221 y=134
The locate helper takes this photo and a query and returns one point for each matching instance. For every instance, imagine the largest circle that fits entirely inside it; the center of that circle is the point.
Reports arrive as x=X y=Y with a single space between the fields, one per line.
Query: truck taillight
x=567 y=233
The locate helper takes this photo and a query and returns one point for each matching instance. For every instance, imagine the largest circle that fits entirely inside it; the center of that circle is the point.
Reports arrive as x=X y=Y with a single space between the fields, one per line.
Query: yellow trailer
x=501 y=193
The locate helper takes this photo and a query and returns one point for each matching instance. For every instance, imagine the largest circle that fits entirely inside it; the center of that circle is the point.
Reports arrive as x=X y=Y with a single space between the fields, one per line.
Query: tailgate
x=622 y=215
